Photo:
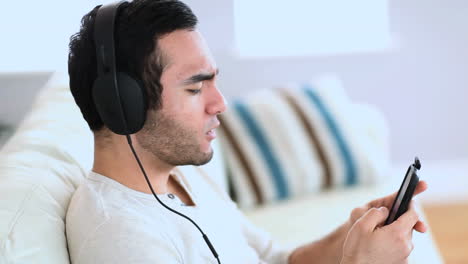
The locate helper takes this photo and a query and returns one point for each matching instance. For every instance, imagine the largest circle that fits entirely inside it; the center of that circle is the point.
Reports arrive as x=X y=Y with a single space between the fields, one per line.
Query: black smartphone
x=405 y=194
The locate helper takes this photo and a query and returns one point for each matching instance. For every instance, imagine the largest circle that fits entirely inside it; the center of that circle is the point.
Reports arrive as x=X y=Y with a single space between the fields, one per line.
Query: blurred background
x=408 y=58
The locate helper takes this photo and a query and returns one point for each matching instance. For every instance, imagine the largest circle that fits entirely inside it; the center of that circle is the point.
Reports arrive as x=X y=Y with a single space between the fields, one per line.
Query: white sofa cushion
x=40 y=167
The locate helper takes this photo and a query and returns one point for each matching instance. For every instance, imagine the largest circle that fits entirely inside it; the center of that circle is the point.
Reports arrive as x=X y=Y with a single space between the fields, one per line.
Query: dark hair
x=138 y=27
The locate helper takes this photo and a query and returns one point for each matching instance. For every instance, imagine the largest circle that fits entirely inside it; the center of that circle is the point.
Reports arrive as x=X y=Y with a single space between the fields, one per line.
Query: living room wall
x=421 y=85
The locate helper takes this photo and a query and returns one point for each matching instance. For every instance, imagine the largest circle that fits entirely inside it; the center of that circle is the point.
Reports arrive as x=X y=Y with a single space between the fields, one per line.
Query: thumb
x=374 y=218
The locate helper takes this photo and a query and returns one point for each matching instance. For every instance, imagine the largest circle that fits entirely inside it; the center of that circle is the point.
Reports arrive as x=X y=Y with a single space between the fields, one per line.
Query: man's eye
x=194 y=91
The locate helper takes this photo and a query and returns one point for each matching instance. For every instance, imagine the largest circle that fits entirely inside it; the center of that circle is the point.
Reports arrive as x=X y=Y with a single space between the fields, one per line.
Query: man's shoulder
x=97 y=200
x=116 y=237
x=99 y=213
x=87 y=209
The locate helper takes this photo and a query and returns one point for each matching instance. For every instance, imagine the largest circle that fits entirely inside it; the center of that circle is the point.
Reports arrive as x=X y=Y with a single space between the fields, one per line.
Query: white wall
x=421 y=87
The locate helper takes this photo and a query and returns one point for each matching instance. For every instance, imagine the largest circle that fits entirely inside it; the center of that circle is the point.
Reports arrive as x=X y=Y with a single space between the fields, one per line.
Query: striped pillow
x=287 y=142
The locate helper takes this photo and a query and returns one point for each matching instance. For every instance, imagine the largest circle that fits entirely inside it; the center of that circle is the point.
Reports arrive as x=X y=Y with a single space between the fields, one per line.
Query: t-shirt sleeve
x=268 y=250
x=126 y=242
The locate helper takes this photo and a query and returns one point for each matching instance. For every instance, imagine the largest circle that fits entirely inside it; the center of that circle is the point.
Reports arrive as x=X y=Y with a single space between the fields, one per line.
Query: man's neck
x=115 y=160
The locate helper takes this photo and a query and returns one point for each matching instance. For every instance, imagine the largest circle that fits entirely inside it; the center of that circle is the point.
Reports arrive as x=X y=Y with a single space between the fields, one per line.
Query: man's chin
x=189 y=156
x=206 y=157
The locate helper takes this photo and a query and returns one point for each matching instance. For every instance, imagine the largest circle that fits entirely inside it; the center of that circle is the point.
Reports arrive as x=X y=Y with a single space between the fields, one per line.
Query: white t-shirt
x=108 y=222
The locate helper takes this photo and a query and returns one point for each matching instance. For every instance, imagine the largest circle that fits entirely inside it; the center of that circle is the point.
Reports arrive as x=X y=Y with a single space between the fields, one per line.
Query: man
x=113 y=218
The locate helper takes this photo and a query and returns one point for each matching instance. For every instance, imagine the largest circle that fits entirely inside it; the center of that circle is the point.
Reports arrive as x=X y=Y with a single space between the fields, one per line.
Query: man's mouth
x=212 y=133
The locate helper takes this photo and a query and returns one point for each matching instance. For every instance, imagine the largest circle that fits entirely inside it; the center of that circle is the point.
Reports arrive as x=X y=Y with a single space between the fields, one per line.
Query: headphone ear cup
x=133 y=101
x=107 y=103
x=110 y=105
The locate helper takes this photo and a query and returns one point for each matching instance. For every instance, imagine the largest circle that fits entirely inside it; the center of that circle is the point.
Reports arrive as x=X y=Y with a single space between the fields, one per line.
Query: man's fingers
x=408 y=220
x=358 y=212
x=421 y=187
x=420 y=227
x=384 y=201
x=372 y=218
x=387 y=201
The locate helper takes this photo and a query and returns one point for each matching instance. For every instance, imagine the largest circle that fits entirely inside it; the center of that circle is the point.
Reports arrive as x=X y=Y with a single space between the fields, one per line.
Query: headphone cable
x=205 y=237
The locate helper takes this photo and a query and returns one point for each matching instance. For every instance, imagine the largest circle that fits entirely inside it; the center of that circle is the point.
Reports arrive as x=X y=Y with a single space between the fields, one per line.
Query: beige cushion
x=285 y=143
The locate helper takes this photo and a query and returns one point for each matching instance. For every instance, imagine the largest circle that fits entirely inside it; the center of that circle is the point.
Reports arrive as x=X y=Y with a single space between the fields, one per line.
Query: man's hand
x=387 y=202
x=370 y=242
x=331 y=248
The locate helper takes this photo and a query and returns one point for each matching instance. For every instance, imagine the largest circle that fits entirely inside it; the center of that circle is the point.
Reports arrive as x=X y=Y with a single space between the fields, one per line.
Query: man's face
x=181 y=131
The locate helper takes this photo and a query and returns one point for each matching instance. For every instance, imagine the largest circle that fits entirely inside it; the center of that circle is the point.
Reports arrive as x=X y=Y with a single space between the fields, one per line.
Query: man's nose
x=217 y=102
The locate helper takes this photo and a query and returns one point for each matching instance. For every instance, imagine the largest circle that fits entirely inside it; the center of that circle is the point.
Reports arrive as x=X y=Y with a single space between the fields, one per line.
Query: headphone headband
x=119 y=98
x=104 y=27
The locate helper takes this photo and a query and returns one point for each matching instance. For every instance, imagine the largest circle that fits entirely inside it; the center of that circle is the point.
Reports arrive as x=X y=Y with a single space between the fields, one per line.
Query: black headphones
x=120 y=99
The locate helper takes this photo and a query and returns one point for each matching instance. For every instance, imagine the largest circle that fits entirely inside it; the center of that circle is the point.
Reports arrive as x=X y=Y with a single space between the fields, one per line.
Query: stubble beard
x=171 y=142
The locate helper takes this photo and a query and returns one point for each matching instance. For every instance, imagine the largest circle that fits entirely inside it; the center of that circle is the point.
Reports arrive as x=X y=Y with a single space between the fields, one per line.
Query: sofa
x=51 y=152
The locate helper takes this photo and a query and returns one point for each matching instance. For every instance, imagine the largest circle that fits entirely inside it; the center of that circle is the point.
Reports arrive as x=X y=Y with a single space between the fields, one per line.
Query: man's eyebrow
x=201 y=77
